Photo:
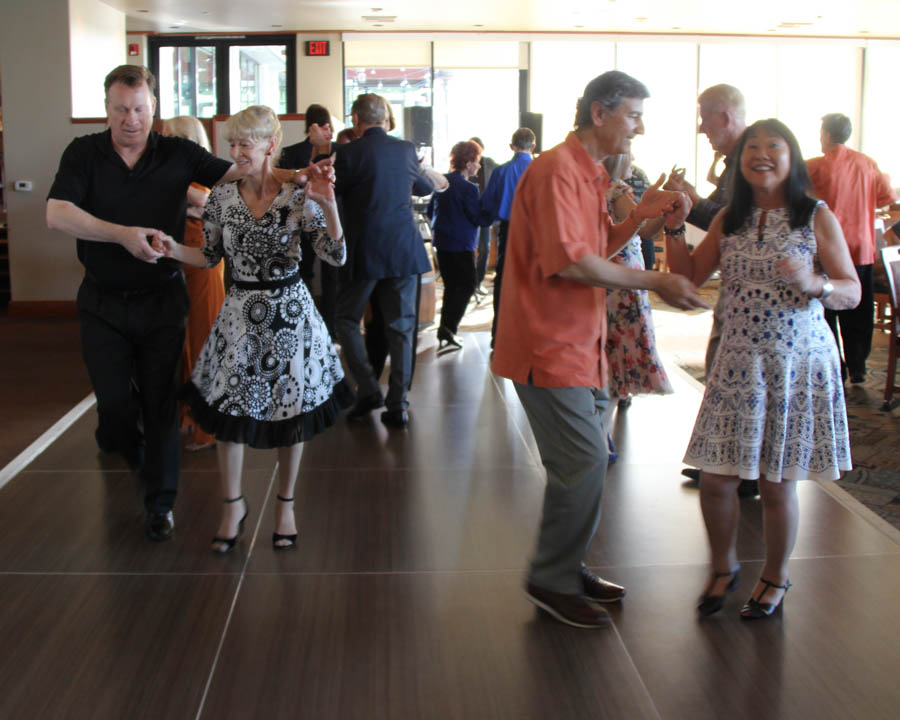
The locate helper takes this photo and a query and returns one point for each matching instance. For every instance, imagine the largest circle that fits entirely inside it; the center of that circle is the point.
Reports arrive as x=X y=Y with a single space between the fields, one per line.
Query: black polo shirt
x=152 y=194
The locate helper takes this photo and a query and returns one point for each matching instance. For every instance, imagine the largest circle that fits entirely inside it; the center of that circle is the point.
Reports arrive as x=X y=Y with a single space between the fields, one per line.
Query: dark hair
x=609 y=89
x=130 y=75
x=798 y=186
x=370 y=109
x=317 y=115
x=477 y=140
x=523 y=139
x=346 y=135
x=838 y=126
x=463 y=153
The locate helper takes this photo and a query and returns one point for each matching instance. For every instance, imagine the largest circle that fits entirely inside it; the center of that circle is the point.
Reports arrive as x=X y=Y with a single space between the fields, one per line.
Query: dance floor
x=404 y=599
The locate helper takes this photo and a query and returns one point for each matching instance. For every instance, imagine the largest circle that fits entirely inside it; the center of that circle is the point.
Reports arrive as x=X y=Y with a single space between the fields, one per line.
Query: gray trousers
x=568 y=425
x=397 y=300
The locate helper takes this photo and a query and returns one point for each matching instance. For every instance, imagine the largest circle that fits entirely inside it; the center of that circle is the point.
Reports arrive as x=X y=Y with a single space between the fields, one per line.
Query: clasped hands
x=673 y=204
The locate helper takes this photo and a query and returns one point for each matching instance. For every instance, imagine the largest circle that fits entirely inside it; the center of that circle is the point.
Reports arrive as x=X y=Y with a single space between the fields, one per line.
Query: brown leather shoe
x=596 y=589
x=569 y=609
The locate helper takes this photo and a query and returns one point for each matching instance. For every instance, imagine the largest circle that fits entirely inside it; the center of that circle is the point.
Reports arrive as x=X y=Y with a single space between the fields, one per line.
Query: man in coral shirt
x=553 y=325
x=853 y=187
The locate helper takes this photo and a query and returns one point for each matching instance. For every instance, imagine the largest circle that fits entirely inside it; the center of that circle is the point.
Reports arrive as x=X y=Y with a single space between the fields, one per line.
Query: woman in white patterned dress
x=773 y=409
x=267 y=375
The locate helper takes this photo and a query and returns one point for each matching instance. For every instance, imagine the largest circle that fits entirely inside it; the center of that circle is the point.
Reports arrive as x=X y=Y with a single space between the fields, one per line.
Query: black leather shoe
x=448 y=339
x=596 y=589
x=748 y=488
x=569 y=609
x=857 y=377
x=160 y=526
x=692 y=474
x=365 y=405
x=395 y=418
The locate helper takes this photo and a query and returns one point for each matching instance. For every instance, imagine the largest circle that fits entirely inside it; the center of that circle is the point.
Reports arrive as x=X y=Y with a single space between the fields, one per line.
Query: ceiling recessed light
x=377 y=9
x=676 y=27
x=174 y=27
x=478 y=25
x=278 y=26
x=146 y=11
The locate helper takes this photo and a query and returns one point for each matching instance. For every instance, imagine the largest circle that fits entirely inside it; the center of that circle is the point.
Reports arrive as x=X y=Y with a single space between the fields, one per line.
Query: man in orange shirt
x=853 y=187
x=552 y=329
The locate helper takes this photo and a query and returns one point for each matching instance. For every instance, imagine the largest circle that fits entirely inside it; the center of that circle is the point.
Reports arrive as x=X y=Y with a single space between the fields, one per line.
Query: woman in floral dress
x=266 y=376
x=773 y=409
x=634 y=365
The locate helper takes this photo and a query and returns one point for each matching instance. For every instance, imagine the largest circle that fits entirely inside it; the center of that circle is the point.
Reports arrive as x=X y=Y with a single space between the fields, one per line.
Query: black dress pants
x=856 y=325
x=135 y=340
x=460 y=280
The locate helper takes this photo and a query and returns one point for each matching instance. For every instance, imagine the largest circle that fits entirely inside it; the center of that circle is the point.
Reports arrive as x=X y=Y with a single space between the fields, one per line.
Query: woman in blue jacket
x=455 y=219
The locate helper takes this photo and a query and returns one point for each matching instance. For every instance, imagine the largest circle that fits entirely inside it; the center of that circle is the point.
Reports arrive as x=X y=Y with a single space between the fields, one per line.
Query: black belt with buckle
x=267 y=284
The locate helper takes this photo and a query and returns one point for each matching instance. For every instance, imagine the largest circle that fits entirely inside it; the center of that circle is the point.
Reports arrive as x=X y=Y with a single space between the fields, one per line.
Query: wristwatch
x=827 y=288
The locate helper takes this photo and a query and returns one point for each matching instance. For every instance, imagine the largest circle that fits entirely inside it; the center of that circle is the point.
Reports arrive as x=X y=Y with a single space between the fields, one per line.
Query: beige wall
x=34 y=69
x=96 y=45
x=321 y=79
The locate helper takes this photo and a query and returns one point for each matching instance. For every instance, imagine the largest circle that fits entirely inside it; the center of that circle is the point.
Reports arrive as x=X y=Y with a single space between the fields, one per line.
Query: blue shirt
x=455 y=215
x=496 y=203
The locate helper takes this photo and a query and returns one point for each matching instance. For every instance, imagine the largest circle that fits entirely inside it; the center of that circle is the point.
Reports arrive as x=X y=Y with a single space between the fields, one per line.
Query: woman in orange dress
x=206 y=288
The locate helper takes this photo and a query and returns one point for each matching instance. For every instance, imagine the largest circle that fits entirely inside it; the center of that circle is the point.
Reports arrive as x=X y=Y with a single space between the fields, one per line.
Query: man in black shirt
x=116 y=191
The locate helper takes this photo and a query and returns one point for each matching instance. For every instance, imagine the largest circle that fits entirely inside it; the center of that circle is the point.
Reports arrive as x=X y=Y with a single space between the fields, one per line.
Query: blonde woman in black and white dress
x=268 y=372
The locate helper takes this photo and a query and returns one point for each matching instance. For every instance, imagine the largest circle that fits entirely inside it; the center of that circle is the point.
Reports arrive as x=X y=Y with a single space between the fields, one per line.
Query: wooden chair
x=890 y=256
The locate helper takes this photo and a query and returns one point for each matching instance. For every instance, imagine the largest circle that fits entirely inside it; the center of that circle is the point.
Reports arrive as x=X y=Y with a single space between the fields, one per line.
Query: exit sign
x=317 y=47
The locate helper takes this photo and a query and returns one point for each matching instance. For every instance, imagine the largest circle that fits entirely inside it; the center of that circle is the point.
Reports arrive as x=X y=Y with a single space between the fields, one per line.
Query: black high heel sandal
x=711 y=604
x=278 y=537
x=756 y=610
x=227 y=544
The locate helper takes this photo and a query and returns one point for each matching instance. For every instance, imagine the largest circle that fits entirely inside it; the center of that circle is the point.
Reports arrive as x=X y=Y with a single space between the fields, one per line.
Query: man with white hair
x=723 y=121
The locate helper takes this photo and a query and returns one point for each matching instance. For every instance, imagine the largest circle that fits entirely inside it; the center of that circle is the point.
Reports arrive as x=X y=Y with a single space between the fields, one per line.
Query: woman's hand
x=798 y=272
x=165 y=245
x=320 y=188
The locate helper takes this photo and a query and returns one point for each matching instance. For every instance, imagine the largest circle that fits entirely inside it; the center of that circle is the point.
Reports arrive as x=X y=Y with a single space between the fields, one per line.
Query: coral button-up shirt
x=853 y=187
x=551 y=330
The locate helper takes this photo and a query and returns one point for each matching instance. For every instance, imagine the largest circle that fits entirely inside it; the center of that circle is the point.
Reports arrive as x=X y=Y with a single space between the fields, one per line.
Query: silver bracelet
x=675 y=232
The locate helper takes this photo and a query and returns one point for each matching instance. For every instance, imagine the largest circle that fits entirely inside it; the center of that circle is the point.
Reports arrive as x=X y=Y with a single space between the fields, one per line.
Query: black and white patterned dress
x=267 y=373
x=774 y=402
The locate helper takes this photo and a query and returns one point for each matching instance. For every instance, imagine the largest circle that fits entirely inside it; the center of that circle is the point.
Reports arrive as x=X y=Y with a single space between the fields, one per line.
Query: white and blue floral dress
x=774 y=401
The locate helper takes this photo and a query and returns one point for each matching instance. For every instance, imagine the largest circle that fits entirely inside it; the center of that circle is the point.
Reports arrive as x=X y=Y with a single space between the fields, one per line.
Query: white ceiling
x=843 y=18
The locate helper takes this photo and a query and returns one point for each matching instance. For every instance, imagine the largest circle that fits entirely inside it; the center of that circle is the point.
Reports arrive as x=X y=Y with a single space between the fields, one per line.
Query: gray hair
x=609 y=89
x=723 y=98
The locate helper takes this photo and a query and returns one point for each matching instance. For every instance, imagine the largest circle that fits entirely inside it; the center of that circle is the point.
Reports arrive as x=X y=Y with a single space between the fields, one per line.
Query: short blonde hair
x=189 y=128
x=257 y=122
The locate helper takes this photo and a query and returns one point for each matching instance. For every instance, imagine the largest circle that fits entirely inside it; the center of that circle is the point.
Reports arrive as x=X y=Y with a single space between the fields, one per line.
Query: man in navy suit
x=376 y=176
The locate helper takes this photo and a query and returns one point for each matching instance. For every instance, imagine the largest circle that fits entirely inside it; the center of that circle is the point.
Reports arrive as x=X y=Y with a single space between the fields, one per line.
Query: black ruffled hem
x=264 y=434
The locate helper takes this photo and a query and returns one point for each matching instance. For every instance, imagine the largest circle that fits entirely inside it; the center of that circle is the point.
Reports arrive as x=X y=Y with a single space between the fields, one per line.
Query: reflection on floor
x=404 y=598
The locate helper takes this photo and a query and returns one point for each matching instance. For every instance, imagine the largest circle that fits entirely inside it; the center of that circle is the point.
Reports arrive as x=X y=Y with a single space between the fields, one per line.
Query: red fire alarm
x=134 y=49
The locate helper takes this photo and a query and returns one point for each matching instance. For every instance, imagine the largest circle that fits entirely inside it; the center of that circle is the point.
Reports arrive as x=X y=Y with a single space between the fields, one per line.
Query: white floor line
x=21 y=461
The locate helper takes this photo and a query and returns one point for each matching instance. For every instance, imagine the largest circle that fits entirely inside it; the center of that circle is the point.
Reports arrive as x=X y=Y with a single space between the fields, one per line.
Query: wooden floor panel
x=109 y=646
x=404 y=598
x=439 y=645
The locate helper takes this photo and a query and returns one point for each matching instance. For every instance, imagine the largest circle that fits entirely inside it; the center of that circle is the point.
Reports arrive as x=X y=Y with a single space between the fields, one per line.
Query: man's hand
x=139 y=242
x=676 y=180
x=656 y=202
x=679 y=292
